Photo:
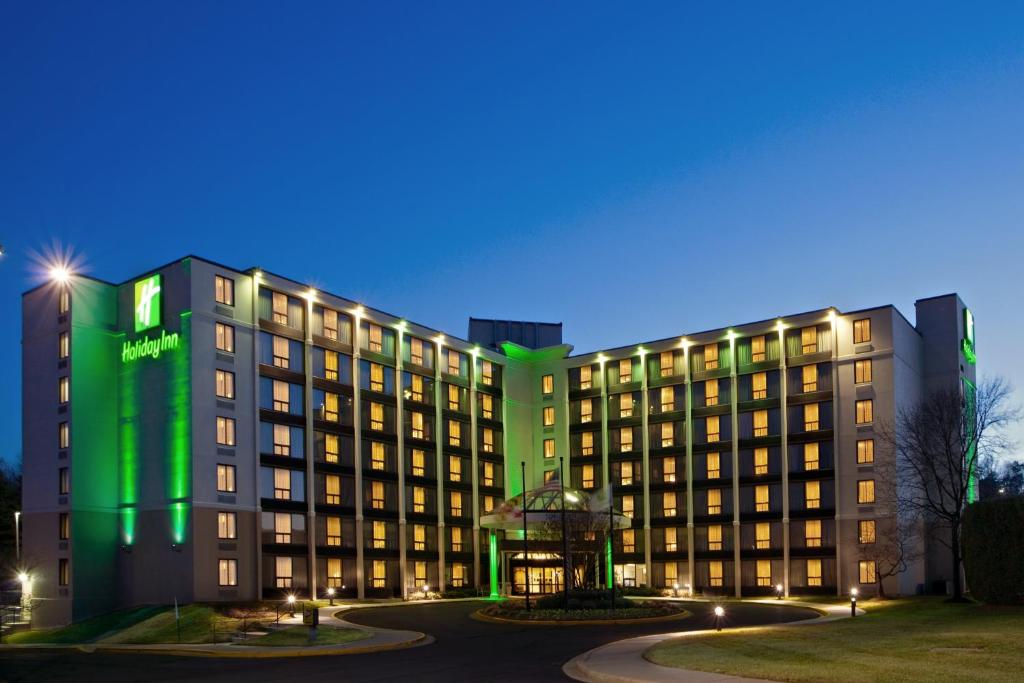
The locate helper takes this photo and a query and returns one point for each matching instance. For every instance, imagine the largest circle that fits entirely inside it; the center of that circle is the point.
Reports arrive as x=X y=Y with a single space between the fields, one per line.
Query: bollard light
x=778 y=591
x=675 y=590
x=291 y=605
x=853 y=602
x=719 y=613
x=330 y=595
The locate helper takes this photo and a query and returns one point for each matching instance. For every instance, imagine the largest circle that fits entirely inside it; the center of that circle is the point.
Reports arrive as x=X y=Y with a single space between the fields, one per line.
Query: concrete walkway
x=623 y=661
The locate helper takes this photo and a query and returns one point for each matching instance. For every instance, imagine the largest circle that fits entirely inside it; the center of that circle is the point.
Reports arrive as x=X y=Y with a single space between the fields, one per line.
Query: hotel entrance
x=543 y=580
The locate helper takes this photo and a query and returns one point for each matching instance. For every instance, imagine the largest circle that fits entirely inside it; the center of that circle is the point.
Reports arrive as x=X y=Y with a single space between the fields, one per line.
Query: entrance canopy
x=543 y=507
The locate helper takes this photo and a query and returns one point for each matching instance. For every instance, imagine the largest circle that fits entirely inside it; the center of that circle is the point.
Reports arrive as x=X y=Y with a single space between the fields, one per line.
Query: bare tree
x=937 y=444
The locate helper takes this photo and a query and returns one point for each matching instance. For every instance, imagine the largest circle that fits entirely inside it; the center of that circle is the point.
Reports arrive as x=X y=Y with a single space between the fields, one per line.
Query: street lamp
x=853 y=602
x=719 y=613
x=778 y=591
x=330 y=595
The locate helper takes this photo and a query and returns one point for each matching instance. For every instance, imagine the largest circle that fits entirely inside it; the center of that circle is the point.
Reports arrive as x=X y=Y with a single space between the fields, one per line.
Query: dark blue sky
x=635 y=170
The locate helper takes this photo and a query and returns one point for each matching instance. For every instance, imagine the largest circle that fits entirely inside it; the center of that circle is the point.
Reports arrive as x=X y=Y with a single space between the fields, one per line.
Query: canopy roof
x=544 y=506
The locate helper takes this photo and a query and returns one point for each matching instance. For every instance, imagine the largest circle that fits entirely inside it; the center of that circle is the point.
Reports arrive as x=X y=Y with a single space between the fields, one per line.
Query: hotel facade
x=200 y=433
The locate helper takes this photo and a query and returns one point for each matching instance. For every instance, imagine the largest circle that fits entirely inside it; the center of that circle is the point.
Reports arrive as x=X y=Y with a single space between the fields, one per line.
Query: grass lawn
x=918 y=639
x=88 y=630
x=292 y=636
x=199 y=624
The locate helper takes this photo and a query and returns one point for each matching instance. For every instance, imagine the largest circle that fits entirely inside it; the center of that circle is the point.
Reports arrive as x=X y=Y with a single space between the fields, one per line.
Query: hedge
x=993 y=545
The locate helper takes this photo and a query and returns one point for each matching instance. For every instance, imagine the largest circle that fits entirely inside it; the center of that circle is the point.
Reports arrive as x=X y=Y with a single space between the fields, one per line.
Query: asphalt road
x=465 y=650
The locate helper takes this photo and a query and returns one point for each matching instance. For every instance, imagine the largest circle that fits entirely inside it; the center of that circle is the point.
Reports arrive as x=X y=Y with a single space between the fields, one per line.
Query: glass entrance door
x=543 y=580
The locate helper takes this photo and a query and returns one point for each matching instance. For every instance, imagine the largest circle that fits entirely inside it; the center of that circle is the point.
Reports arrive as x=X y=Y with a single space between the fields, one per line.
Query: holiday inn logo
x=147 y=303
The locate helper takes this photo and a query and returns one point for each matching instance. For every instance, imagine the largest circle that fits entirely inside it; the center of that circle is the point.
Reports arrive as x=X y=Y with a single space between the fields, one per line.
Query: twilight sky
x=634 y=170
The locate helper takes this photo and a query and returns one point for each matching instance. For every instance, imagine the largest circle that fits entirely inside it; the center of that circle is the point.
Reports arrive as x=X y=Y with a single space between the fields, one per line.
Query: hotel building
x=202 y=433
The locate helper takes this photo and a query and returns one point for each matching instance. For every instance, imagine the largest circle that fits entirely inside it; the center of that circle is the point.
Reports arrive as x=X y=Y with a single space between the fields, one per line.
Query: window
x=283 y=572
x=671 y=546
x=333 y=528
x=666 y=363
x=331 y=365
x=713 y=428
x=809 y=340
x=586 y=377
x=377 y=379
x=454 y=468
x=547 y=384
x=64 y=302
x=418 y=462
x=455 y=499
x=812 y=495
x=225 y=384
x=549 y=416
x=416 y=428
x=63 y=390
x=454 y=402
x=714 y=465
x=760 y=423
x=64 y=481
x=377 y=456
x=761 y=498
x=64 y=526
x=811 y=417
x=486 y=406
x=454 y=362
x=668 y=399
x=586 y=410
x=626 y=439
x=331 y=447
x=281 y=399
x=377 y=495
x=458 y=574
x=226 y=478
x=714 y=501
x=330 y=407
x=625 y=405
x=764 y=572
x=279 y=305
x=757 y=352
x=711 y=392
x=668 y=503
x=486 y=372
x=456 y=536
x=813 y=572
x=332 y=489
x=283 y=484
x=669 y=470
x=715 y=573
x=671 y=568
x=626 y=473
x=628 y=541
x=420 y=573
x=283 y=440
x=419 y=499
x=379 y=574
x=225 y=431
x=812 y=533
x=588 y=476
x=865 y=411
x=760 y=461
x=862 y=331
x=866 y=491
x=334 y=572
x=763 y=535
x=810 y=378
x=223 y=290
x=811 y=460
x=419 y=540
x=225 y=338
x=865 y=451
x=330 y=324
x=416 y=389
x=63 y=345
x=380 y=534
x=63 y=572
x=759 y=386
x=282 y=527
x=454 y=433
x=586 y=444
x=376 y=416
x=628 y=506
x=866 y=531
x=715 y=537
x=862 y=372
x=625 y=371
x=711 y=356
x=280 y=351
x=416 y=351
x=488 y=504
x=487 y=477
x=63 y=435
x=487 y=435
x=866 y=571
x=375 y=338
x=668 y=436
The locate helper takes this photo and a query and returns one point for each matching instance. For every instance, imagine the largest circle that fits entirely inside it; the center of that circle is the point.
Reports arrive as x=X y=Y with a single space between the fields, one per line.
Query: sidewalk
x=380 y=640
x=623 y=660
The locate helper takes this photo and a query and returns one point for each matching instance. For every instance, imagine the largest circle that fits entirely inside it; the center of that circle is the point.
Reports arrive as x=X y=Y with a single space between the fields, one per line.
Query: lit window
x=375 y=338
x=588 y=476
x=711 y=392
x=668 y=437
x=586 y=377
x=64 y=302
x=813 y=572
x=669 y=470
x=334 y=576
x=225 y=338
x=586 y=410
x=668 y=399
x=416 y=388
x=223 y=290
x=812 y=495
x=764 y=572
x=454 y=362
x=809 y=340
x=420 y=573
x=811 y=460
x=454 y=433
x=625 y=371
x=454 y=401
x=379 y=574
x=376 y=416
x=331 y=365
x=666 y=363
x=454 y=468
x=279 y=303
x=862 y=372
x=63 y=435
x=810 y=378
x=486 y=406
x=281 y=400
x=225 y=431
x=861 y=331
x=668 y=503
x=225 y=384
x=226 y=478
x=63 y=345
x=671 y=546
x=416 y=351
x=759 y=386
x=376 y=455
x=713 y=429
x=547 y=384
x=714 y=501
x=376 y=377
x=866 y=531
x=64 y=481
x=714 y=467
x=549 y=416
x=64 y=526
x=333 y=527
x=456 y=536
x=332 y=489
x=811 y=423
x=586 y=444
x=625 y=405
x=380 y=534
x=812 y=533
x=711 y=357
x=715 y=537
x=626 y=439
x=282 y=485
x=488 y=504
x=455 y=498
x=486 y=372
x=283 y=440
x=866 y=491
x=866 y=571
x=628 y=541
x=628 y=506
x=330 y=324
x=761 y=498
x=419 y=499
x=330 y=407
x=865 y=411
x=63 y=390
x=865 y=451
x=416 y=426
x=227 y=572
x=487 y=435
x=760 y=423
x=332 y=448
x=282 y=527
x=280 y=352
x=626 y=473
x=757 y=352
x=418 y=462
x=419 y=541
x=487 y=477
x=763 y=535
x=760 y=461
x=458 y=574
x=715 y=573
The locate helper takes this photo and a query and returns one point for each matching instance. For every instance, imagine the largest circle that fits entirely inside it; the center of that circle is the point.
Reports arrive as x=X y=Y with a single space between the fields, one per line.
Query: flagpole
x=526 y=549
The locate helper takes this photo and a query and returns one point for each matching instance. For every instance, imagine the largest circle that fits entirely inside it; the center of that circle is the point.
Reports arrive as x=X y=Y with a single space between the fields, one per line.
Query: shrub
x=643 y=591
x=585 y=599
x=993 y=543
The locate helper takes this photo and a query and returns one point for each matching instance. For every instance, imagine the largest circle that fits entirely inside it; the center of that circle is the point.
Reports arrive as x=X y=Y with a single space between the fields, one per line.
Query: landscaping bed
x=584 y=606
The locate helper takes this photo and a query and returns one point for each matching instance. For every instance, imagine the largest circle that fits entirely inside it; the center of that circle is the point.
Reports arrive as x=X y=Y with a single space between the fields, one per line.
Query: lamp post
x=291 y=605
x=853 y=602
x=719 y=613
x=330 y=595
x=675 y=590
x=426 y=590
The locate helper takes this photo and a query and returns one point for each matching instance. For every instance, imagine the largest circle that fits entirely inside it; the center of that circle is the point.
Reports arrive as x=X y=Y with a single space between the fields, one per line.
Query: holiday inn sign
x=147 y=313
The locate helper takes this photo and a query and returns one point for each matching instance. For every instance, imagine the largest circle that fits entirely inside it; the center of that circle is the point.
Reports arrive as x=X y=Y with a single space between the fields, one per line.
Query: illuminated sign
x=147 y=303
x=967 y=345
x=149 y=348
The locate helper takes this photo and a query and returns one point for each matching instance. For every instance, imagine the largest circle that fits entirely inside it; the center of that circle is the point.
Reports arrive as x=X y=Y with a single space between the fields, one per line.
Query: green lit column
x=492 y=557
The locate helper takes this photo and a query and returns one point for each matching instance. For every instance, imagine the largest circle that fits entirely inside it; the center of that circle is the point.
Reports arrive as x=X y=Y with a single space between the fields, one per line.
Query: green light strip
x=608 y=558
x=179 y=415
x=128 y=452
x=493 y=557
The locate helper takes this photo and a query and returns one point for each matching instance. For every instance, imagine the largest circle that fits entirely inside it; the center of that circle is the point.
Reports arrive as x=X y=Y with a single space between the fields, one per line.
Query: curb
x=480 y=616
